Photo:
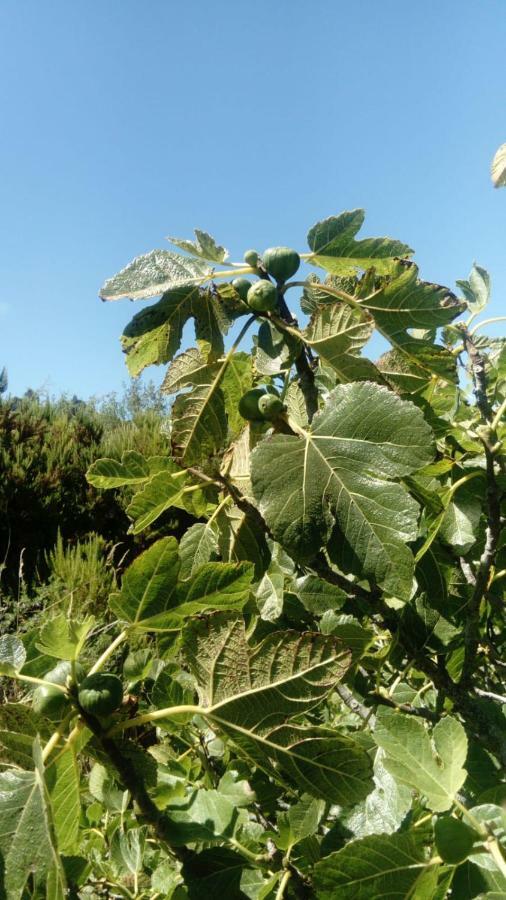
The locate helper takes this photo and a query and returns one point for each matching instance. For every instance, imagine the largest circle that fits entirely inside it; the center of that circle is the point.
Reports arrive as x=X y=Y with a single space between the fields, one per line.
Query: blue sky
x=124 y=121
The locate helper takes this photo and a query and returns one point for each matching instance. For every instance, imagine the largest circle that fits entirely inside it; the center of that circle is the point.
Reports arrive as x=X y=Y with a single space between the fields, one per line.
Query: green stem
x=72 y=738
x=108 y=652
x=491 y=843
x=227 y=273
x=153 y=717
x=30 y=679
x=465 y=478
x=498 y=415
x=55 y=737
x=220 y=506
x=486 y=322
x=280 y=893
x=326 y=289
x=248 y=854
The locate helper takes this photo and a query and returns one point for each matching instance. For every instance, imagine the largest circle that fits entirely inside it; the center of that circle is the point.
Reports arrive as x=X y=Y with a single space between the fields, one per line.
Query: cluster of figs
x=98 y=694
x=262 y=404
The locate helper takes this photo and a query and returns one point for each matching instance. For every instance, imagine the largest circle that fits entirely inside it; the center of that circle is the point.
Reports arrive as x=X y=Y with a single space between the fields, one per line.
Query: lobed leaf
x=436 y=771
x=335 y=249
x=204 y=246
x=305 y=485
x=154 y=335
x=152 y=274
x=386 y=866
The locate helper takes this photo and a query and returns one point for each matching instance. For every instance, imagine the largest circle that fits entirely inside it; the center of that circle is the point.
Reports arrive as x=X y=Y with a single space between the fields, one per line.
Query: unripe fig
x=49 y=701
x=270 y=407
x=262 y=296
x=248 y=405
x=100 y=694
x=241 y=286
x=281 y=262
x=251 y=258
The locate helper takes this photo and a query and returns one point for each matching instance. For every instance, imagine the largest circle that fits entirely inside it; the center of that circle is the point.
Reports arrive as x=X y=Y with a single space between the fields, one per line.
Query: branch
x=322 y=568
x=360 y=709
x=134 y=784
x=421 y=711
x=493 y=530
x=302 y=364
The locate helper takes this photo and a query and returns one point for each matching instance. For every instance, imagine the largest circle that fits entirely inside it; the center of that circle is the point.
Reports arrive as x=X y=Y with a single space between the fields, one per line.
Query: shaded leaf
x=161 y=492
x=337 y=333
x=149 y=584
x=374 y=867
x=19 y=726
x=454 y=839
x=198 y=546
x=214 y=874
x=206 y=815
x=275 y=350
x=62 y=780
x=300 y=821
x=250 y=693
x=154 y=335
x=317 y=595
x=241 y=538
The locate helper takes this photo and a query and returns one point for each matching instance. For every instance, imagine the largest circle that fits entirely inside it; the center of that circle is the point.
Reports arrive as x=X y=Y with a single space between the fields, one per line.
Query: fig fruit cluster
x=99 y=694
x=262 y=295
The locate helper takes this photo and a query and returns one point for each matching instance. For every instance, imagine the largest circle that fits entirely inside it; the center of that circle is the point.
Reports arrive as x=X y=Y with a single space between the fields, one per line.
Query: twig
x=421 y=711
x=467 y=571
x=499 y=697
x=360 y=709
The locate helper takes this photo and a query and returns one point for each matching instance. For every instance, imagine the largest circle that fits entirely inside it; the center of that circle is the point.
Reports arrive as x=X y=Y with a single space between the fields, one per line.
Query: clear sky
x=123 y=121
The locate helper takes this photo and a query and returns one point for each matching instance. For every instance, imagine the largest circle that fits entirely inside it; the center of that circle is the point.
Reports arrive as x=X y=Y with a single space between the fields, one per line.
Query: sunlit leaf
x=152 y=274
x=203 y=246
x=12 y=654
x=306 y=484
x=335 y=249
x=434 y=769
x=26 y=833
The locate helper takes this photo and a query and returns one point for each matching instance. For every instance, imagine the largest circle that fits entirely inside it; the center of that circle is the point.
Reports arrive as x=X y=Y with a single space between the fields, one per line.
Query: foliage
x=46 y=447
x=311 y=673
